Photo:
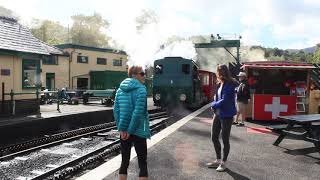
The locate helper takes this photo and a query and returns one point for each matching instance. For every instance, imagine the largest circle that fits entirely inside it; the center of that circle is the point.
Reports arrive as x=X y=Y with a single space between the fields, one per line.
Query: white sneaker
x=214 y=164
x=222 y=167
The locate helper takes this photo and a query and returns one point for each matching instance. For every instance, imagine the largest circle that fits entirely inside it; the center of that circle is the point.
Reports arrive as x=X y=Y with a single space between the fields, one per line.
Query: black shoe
x=240 y=124
x=234 y=123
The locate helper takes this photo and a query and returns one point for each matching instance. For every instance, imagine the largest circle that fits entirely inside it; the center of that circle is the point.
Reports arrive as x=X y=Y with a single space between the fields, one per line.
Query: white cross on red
x=275 y=108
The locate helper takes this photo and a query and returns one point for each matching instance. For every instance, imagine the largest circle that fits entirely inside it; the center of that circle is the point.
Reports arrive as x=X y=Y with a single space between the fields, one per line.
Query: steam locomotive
x=178 y=81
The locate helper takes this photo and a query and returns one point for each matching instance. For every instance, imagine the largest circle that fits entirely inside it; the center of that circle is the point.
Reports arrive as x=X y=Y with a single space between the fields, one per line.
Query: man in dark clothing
x=243 y=96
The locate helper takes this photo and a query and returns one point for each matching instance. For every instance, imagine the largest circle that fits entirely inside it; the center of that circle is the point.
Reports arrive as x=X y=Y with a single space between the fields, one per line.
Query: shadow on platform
x=236 y=176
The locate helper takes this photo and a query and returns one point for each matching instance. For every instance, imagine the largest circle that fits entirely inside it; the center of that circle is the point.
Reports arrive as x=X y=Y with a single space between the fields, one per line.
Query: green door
x=50 y=81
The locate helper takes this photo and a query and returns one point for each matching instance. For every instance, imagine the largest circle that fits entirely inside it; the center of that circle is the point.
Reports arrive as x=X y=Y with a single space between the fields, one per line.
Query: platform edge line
x=113 y=164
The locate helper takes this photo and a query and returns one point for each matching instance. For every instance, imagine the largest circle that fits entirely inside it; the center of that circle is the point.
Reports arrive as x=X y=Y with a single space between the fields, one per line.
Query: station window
x=102 y=61
x=5 y=72
x=50 y=60
x=186 y=68
x=30 y=73
x=83 y=59
x=117 y=62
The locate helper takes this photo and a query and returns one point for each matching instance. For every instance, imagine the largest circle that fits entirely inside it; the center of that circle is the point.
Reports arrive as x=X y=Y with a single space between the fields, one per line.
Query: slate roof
x=52 y=49
x=90 y=48
x=15 y=37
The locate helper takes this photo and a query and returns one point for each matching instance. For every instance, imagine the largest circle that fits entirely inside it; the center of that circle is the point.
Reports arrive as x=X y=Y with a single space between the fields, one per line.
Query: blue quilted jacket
x=130 y=108
x=226 y=104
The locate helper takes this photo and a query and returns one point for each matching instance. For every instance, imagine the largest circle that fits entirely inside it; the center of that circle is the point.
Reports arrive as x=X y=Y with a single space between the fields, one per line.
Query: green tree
x=49 y=31
x=88 y=30
x=316 y=56
x=145 y=18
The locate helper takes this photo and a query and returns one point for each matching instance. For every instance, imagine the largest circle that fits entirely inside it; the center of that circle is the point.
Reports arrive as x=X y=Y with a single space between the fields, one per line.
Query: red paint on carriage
x=207 y=80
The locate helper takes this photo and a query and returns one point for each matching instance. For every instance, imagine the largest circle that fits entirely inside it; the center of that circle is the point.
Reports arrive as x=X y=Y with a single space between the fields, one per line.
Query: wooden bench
x=277 y=128
x=309 y=124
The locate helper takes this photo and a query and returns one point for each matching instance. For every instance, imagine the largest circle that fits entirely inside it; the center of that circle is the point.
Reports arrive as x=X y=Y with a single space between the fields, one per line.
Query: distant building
x=84 y=59
x=21 y=56
x=55 y=69
x=26 y=63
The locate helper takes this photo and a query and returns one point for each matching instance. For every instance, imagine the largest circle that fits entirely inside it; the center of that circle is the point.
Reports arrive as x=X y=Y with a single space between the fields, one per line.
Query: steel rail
x=108 y=150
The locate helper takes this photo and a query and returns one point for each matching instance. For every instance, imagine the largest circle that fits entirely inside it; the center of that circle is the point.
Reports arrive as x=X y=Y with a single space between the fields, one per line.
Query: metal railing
x=12 y=102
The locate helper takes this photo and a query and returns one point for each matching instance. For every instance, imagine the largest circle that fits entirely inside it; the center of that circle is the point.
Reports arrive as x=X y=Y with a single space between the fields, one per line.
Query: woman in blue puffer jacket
x=224 y=109
x=132 y=119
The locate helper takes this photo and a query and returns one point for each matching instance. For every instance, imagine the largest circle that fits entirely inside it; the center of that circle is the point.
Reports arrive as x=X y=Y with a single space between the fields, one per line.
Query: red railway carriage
x=207 y=80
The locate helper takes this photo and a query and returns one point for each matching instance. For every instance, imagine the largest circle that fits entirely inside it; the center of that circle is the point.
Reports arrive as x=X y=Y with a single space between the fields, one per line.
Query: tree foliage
x=49 y=31
x=285 y=55
x=316 y=56
x=145 y=18
x=7 y=12
x=85 y=30
x=88 y=30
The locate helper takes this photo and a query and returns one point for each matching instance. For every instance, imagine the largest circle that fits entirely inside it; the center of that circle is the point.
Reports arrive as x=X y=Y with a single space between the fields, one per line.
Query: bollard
x=14 y=108
x=38 y=103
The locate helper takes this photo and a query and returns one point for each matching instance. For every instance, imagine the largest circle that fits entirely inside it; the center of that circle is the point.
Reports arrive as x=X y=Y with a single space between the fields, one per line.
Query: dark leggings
x=224 y=125
x=140 y=145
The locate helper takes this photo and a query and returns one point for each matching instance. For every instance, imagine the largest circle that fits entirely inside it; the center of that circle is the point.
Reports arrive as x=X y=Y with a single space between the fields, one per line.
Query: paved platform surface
x=48 y=111
x=183 y=154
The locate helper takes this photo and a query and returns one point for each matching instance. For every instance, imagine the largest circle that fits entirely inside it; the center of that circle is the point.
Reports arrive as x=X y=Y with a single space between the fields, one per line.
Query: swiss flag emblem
x=269 y=107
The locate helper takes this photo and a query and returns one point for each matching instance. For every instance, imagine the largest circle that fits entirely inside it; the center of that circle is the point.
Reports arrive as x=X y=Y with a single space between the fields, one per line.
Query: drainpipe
x=70 y=60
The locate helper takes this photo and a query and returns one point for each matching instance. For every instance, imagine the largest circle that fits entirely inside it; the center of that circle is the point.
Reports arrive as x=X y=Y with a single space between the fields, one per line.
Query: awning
x=278 y=65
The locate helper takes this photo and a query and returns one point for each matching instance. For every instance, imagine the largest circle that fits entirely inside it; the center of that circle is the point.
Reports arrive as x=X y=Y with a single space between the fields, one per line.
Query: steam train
x=178 y=81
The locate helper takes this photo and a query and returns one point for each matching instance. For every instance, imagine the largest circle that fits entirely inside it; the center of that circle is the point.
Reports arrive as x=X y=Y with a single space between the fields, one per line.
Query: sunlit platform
x=181 y=151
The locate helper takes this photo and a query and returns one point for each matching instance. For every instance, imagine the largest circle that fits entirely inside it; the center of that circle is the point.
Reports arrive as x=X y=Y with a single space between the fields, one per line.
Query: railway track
x=61 y=157
x=28 y=146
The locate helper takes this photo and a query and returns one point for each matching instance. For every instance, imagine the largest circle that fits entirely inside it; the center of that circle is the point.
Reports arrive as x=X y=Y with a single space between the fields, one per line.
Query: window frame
x=54 y=57
x=80 y=60
x=185 y=68
x=37 y=78
x=117 y=64
x=157 y=70
x=105 y=61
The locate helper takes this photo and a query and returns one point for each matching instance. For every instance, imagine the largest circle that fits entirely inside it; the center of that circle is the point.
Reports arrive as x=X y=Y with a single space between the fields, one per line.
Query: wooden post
x=12 y=105
x=308 y=90
x=58 y=101
x=3 y=98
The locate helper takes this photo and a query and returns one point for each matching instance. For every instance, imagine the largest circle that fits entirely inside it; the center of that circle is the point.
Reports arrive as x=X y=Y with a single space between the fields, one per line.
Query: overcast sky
x=271 y=23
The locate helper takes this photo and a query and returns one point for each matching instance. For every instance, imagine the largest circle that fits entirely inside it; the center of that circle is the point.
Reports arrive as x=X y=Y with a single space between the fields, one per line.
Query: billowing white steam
x=183 y=49
x=146 y=38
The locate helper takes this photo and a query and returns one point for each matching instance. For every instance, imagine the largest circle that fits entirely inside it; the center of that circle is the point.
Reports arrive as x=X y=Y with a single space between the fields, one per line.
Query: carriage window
x=205 y=80
x=159 y=69
x=186 y=68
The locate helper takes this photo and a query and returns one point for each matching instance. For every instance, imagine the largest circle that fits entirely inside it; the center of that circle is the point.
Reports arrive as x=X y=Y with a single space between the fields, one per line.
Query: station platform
x=182 y=150
x=50 y=111
x=51 y=121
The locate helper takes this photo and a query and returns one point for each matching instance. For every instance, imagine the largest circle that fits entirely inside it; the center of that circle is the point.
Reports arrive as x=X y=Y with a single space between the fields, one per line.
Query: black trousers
x=140 y=145
x=223 y=125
